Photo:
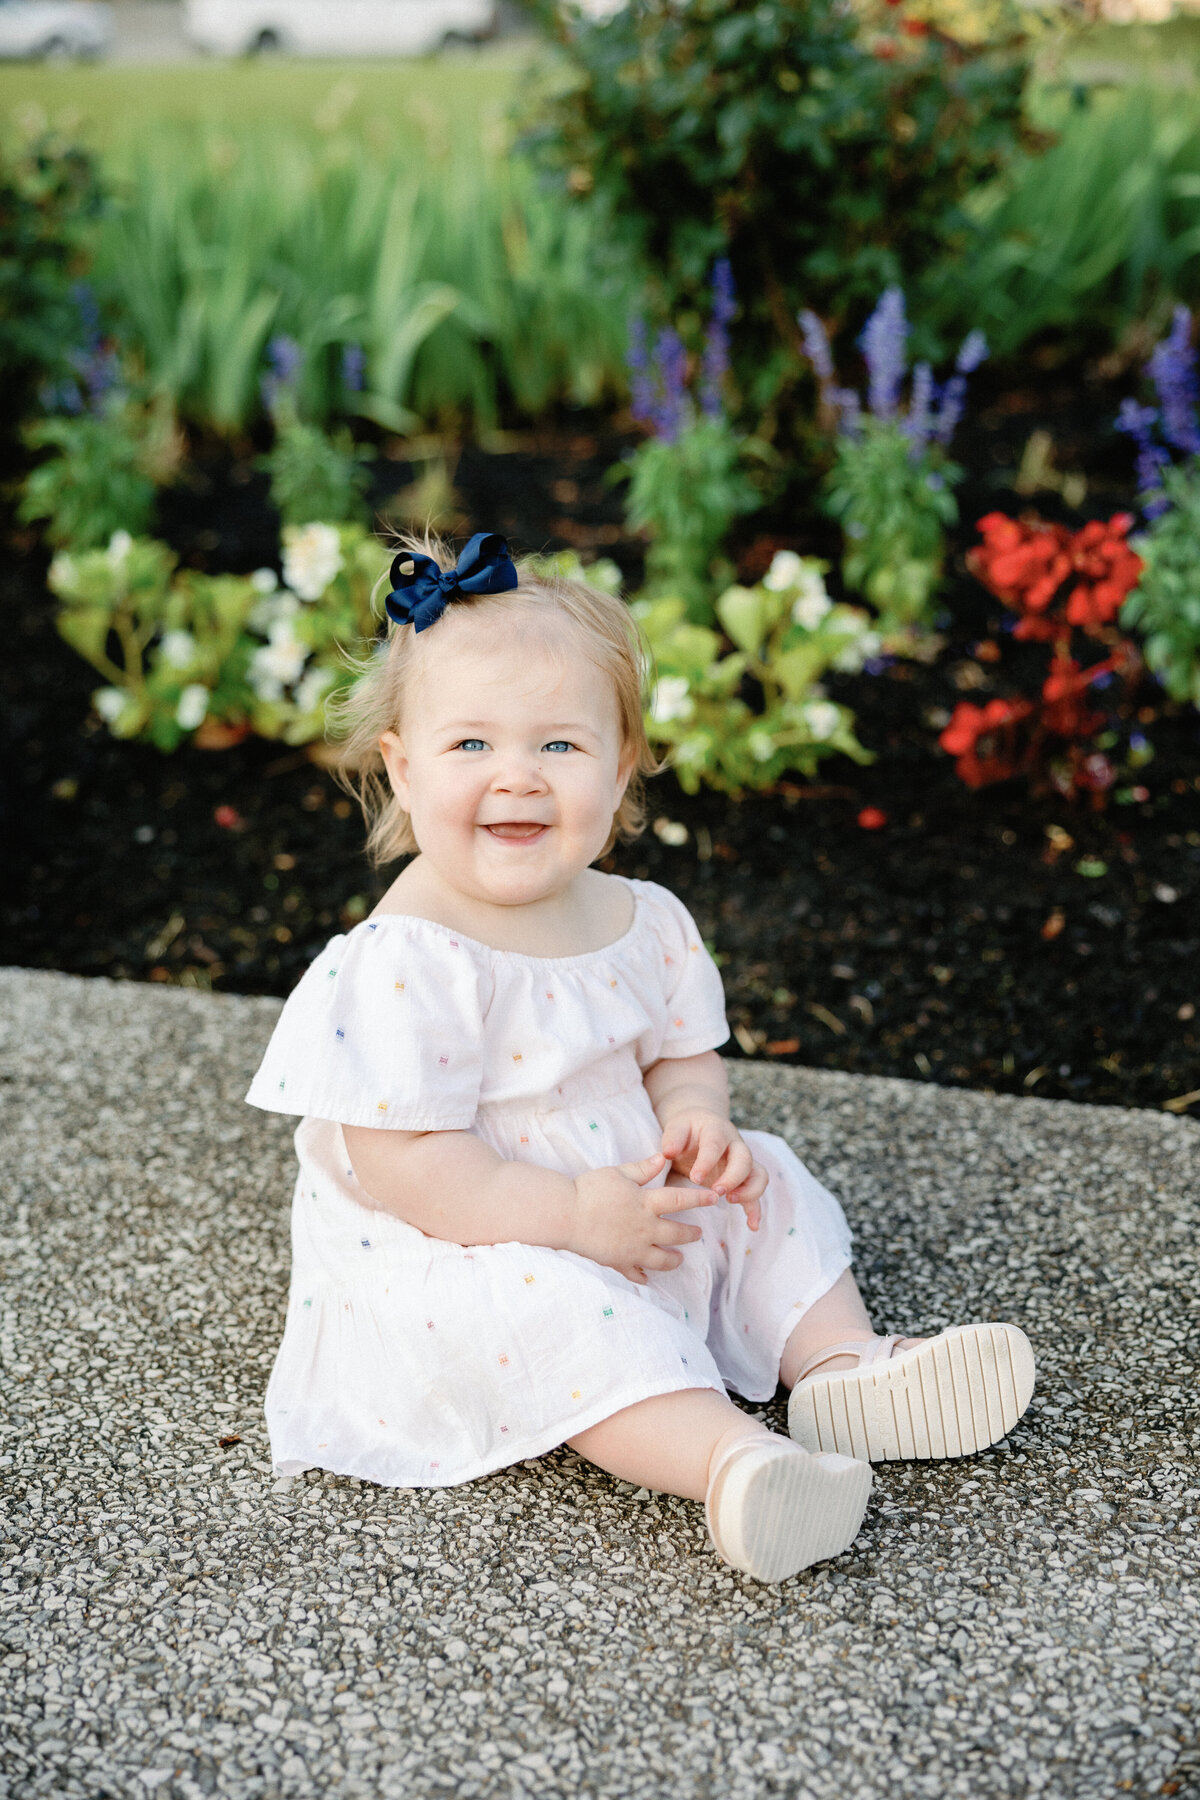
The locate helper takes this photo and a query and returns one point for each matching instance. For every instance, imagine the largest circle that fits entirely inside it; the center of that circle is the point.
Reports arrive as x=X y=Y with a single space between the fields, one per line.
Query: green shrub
x=743 y=717
x=178 y=649
x=1088 y=238
x=472 y=292
x=50 y=200
x=101 y=471
x=825 y=156
x=1165 y=605
x=686 y=494
x=894 y=506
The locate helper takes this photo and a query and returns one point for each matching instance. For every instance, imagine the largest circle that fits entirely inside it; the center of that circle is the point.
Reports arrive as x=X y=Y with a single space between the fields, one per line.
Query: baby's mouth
x=517 y=831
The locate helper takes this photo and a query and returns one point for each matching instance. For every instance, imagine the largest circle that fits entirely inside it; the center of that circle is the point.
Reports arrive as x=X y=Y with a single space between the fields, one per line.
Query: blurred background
x=751 y=312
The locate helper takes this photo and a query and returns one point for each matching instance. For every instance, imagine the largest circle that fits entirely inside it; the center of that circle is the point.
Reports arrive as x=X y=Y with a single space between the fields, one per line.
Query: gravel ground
x=178 y=1622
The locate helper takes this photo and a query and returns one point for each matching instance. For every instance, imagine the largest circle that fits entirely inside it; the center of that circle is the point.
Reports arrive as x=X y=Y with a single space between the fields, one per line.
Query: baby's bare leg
x=669 y=1442
x=838 y=1317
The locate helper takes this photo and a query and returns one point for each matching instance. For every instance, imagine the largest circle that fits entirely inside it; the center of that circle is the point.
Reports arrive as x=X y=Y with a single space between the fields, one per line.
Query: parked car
x=349 y=28
x=49 y=29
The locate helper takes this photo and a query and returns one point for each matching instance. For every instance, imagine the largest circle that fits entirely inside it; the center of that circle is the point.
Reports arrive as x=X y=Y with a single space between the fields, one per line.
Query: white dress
x=414 y=1362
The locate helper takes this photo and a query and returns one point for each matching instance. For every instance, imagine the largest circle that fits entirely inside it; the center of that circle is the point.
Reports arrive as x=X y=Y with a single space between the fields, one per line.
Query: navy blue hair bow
x=421 y=591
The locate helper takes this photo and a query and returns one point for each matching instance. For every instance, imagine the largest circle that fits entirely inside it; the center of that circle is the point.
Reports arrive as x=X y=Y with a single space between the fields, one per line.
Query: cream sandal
x=947 y=1396
x=772 y=1509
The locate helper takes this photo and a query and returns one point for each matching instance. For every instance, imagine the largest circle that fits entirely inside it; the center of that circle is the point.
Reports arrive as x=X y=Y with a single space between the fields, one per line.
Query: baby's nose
x=520 y=775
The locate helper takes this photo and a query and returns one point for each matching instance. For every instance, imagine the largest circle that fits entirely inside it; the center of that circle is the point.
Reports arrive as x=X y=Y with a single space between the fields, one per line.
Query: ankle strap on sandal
x=867 y=1350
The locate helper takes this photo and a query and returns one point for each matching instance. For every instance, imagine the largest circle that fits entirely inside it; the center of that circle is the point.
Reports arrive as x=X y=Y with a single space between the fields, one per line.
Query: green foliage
x=741 y=717
x=686 y=494
x=49 y=202
x=180 y=650
x=894 y=508
x=471 y=290
x=1165 y=605
x=825 y=152
x=101 y=472
x=1088 y=238
x=314 y=474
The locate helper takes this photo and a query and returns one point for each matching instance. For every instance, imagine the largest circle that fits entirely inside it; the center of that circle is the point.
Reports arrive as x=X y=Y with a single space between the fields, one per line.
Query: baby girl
x=523 y=1215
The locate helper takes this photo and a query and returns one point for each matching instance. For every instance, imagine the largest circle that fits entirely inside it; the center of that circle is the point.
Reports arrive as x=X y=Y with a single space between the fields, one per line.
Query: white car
x=335 y=27
x=53 y=29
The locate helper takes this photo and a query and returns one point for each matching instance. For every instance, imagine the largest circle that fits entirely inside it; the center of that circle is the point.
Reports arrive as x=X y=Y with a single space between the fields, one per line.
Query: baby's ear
x=395 y=761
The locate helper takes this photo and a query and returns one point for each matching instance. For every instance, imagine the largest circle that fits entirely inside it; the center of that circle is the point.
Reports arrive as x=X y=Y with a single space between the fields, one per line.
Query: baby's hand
x=621 y=1222
x=708 y=1148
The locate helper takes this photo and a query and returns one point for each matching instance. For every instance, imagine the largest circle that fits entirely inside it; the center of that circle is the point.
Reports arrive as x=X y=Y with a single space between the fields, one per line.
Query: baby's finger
x=643 y=1171
x=661 y=1259
x=713 y=1142
x=738 y=1165
x=680 y=1199
x=674 y=1141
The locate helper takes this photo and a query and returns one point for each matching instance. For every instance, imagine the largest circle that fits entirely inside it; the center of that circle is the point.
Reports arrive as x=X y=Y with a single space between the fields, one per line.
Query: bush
x=182 y=652
x=1165 y=605
x=742 y=718
x=102 y=471
x=50 y=199
x=825 y=153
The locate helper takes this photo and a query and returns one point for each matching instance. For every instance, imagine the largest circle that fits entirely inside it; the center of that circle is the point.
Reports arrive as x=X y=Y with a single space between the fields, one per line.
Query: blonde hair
x=610 y=637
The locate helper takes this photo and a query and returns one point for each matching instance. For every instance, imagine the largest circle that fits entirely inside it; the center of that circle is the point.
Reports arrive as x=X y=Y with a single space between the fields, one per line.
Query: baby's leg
x=838 y=1317
x=668 y=1443
x=771 y=1507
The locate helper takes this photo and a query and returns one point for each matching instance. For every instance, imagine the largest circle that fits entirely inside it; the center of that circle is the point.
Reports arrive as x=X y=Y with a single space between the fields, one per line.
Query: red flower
x=915 y=28
x=871 y=819
x=229 y=818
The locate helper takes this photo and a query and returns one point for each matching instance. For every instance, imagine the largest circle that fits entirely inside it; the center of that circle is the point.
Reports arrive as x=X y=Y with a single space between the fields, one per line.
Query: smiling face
x=509 y=758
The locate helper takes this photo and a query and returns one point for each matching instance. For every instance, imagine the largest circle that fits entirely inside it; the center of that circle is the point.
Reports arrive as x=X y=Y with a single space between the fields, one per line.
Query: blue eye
x=471 y=744
x=558 y=744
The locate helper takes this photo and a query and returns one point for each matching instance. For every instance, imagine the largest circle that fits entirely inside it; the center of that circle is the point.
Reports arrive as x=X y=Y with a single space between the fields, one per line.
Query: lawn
x=108 y=105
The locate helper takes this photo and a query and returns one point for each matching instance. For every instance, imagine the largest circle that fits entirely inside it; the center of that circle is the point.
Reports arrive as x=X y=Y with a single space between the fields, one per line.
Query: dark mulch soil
x=957 y=944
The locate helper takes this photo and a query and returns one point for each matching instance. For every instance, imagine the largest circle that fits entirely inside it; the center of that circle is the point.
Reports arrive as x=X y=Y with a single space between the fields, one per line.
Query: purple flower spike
x=641 y=379
x=950 y=412
x=974 y=350
x=671 y=360
x=716 y=341
x=816 y=346
x=884 y=344
x=354 y=368
x=285 y=357
x=1138 y=422
x=919 y=423
x=1172 y=368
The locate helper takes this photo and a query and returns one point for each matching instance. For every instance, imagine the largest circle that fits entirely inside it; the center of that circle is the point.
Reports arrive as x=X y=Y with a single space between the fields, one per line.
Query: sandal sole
x=792 y=1511
x=950 y=1396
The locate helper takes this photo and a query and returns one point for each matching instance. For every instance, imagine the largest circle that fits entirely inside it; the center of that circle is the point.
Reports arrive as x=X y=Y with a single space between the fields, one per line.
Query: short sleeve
x=693 y=1017
x=385 y=1028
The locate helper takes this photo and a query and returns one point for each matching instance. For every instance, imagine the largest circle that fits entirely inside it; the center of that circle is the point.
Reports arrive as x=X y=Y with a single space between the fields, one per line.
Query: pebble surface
x=176 y=1621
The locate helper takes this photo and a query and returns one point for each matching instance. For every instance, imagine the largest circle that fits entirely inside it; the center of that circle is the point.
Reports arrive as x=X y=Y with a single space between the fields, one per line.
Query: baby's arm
x=690 y=1097
x=451 y=1185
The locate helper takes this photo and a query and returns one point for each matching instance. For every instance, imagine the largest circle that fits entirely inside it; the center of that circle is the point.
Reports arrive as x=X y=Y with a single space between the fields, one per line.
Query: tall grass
x=1093 y=235
x=473 y=292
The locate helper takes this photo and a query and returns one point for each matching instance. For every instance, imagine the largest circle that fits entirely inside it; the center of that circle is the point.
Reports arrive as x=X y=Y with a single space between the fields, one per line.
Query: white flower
x=193 y=704
x=278 y=663
x=110 y=703
x=312 y=689
x=312 y=556
x=119 y=546
x=786 y=571
x=822 y=718
x=278 y=604
x=762 y=746
x=812 y=605
x=671 y=831
x=850 y=660
x=264 y=581
x=671 y=700
x=62 y=571
x=178 y=649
